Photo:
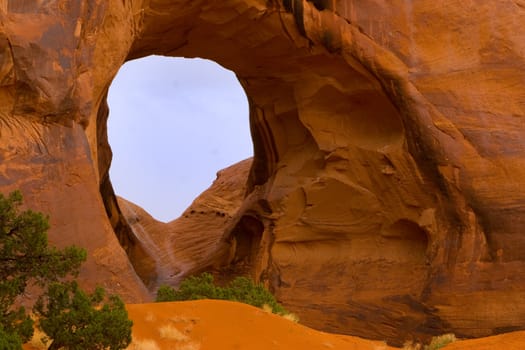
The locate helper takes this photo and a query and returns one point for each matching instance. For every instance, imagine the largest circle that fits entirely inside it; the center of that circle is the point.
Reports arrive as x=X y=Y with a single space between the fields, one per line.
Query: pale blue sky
x=173 y=124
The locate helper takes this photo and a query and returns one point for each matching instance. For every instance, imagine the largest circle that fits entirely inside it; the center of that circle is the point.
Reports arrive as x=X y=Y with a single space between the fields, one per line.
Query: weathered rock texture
x=169 y=251
x=386 y=193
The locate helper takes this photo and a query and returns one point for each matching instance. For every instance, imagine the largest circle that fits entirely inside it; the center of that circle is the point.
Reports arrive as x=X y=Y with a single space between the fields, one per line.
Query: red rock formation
x=385 y=196
x=166 y=252
x=54 y=74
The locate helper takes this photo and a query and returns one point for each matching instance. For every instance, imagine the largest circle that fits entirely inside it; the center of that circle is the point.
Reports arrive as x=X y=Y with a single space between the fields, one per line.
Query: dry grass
x=410 y=345
x=172 y=333
x=143 y=344
x=291 y=317
x=267 y=308
x=441 y=341
x=436 y=343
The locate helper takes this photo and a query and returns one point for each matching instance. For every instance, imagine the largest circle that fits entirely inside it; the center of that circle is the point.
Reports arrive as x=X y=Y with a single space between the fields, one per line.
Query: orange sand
x=224 y=325
x=508 y=341
x=217 y=325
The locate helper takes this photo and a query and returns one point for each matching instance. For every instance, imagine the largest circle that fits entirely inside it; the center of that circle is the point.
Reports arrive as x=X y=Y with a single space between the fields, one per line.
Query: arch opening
x=294 y=88
x=174 y=123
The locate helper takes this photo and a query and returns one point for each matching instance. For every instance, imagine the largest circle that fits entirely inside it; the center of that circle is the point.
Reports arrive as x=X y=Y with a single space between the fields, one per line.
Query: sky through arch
x=173 y=123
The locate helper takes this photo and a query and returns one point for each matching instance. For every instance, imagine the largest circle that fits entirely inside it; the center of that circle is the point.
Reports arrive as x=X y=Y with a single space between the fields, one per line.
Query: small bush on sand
x=241 y=289
x=76 y=320
x=440 y=341
x=71 y=318
x=26 y=259
x=291 y=317
x=436 y=343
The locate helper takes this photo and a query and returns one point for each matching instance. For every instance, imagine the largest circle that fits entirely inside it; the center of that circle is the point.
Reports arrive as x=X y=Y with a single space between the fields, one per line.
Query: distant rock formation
x=386 y=195
x=167 y=252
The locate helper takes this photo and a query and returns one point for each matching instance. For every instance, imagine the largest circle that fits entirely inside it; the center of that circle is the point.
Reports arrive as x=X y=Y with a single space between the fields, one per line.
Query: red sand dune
x=224 y=325
x=508 y=341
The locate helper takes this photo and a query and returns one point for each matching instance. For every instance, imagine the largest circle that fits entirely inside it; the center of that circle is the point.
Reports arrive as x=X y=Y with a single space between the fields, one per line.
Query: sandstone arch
x=365 y=116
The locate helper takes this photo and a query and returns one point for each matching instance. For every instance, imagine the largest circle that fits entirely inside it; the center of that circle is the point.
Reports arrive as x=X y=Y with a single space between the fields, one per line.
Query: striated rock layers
x=386 y=196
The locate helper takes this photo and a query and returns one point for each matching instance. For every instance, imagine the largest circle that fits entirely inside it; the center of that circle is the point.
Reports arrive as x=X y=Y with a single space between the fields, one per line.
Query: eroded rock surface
x=385 y=198
x=164 y=253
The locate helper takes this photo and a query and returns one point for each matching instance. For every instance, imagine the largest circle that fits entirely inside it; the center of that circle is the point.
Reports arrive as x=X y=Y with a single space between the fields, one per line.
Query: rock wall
x=54 y=72
x=385 y=196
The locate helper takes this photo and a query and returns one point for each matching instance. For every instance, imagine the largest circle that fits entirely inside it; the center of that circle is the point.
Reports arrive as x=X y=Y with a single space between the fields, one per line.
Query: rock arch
x=360 y=123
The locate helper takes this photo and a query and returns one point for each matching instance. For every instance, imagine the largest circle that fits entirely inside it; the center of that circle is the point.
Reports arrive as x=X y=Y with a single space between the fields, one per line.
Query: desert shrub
x=9 y=340
x=66 y=314
x=291 y=317
x=440 y=341
x=26 y=258
x=76 y=320
x=246 y=291
x=192 y=288
x=166 y=293
x=436 y=343
x=411 y=345
x=241 y=289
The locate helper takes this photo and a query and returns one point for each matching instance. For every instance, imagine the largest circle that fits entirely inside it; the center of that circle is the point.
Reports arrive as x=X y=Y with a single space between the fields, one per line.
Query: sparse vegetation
x=411 y=345
x=291 y=317
x=64 y=310
x=25 y=258
x=436 y=343
x=9 y=340
x=440 y=341
x=74 y=319
x=241 y=289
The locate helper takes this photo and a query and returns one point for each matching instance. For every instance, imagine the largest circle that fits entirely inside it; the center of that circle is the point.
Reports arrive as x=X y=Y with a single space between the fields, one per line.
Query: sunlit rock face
x=385 y=198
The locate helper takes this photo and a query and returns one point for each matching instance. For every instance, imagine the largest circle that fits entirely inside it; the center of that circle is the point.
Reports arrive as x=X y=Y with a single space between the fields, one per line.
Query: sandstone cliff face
x=53 y=78
x=385 y=198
